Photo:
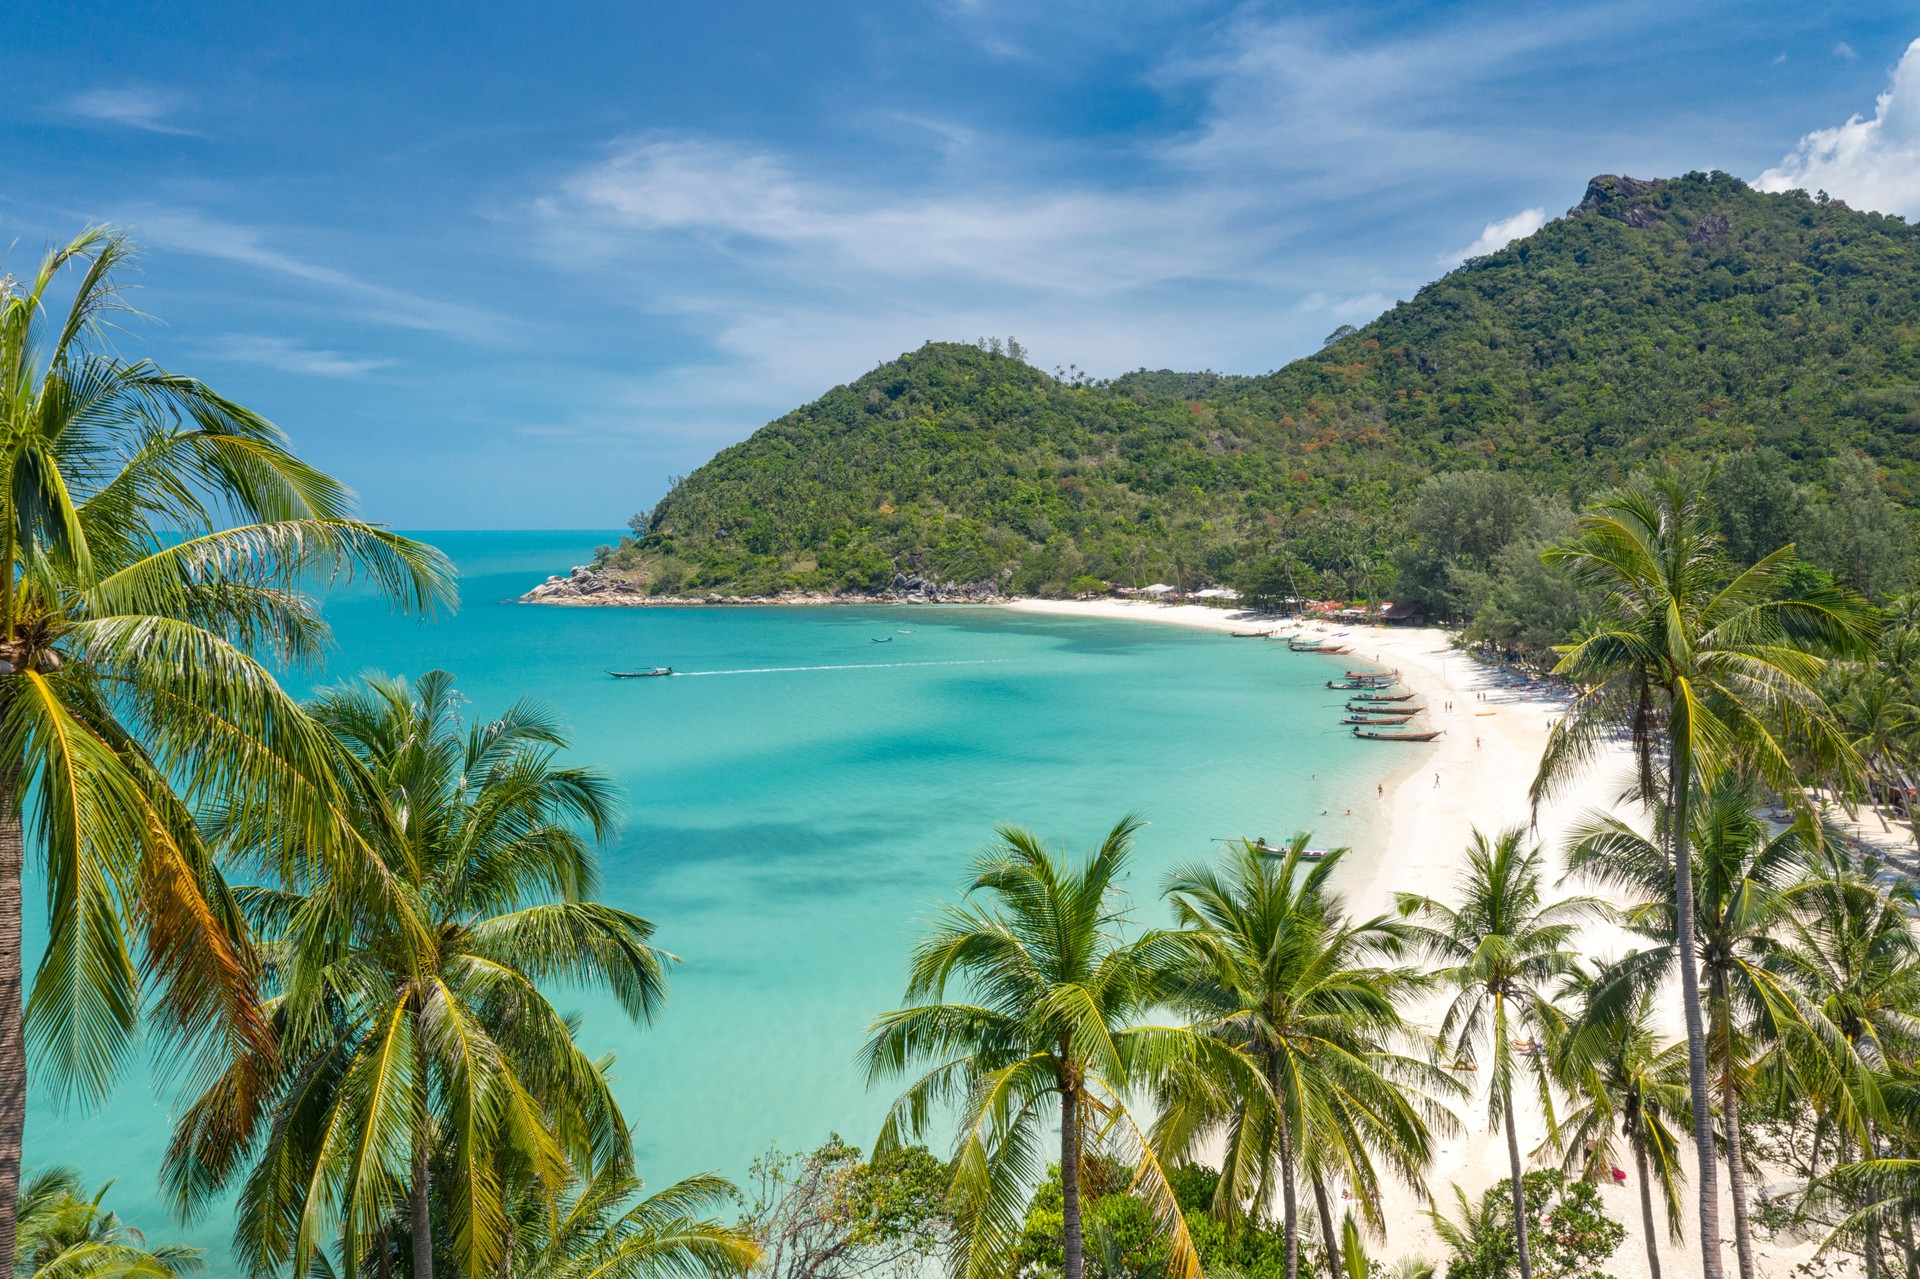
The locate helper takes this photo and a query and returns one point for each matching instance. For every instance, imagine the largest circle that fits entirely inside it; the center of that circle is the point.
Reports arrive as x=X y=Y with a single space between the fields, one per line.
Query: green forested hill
x=1680 y=317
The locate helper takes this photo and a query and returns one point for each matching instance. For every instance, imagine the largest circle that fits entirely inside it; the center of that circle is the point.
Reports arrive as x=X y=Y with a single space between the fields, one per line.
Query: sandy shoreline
x=1476 y=774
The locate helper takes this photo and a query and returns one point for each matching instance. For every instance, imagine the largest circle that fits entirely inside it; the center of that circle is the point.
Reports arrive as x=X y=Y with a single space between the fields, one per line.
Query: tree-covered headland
x=1675 y=319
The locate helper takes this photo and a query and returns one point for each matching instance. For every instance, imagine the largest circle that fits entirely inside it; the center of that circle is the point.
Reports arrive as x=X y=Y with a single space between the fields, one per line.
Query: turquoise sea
x=800 y=802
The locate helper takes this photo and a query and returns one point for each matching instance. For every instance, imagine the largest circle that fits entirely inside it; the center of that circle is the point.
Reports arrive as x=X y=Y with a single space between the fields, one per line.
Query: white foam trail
x=850 y=666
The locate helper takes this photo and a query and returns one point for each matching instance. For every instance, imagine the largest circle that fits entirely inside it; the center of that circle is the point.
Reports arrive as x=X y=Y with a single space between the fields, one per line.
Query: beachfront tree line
x=1279 y=1030
x=334 y=918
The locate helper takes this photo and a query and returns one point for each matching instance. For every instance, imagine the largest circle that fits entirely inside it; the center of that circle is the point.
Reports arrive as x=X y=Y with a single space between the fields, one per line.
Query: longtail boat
x=1252 y=634
x=1390 y=721
x=656 y=673
x=1305 y=646
x=1336 y=648
x=1384 y=697
x=1373 y=674
x=1375 y=708
x=1352 y=685
x=1281 y=850
x=1396 y=737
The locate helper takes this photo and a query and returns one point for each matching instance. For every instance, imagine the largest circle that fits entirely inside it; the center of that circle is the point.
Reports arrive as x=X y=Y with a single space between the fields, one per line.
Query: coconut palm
x=1851 y=955
x=1049 y=1019
x=1620 y=1079
x=157 y=539
x=420 y=1062
x=1708 y=668
x=1273 y=970
x=1742 y=871
x=594 y=1229
x=1883 y=727
x=65 y=1233
x=1499 y=947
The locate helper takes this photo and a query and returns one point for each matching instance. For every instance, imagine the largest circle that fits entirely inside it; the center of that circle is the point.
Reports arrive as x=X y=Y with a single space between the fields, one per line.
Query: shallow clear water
x=798 y=807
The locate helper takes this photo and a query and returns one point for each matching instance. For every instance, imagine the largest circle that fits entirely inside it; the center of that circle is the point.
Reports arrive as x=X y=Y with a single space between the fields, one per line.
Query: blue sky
x=512 y=265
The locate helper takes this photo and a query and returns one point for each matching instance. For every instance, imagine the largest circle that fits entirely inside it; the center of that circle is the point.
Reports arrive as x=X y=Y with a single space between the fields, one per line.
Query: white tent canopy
x=1158 y=588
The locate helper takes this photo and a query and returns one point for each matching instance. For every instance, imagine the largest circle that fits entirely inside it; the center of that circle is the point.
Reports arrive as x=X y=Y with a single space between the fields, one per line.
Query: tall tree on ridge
x=1710 y=668
x=156 y=540
x=1499 y=947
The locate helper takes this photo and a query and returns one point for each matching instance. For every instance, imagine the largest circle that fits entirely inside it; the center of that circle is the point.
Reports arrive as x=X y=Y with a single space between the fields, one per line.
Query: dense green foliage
x=831 y=1214
x=1567 y=1222
x=1688 y=316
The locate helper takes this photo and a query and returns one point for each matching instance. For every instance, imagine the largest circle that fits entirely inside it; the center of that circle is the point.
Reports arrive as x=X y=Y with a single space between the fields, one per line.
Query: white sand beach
x=1476 y=774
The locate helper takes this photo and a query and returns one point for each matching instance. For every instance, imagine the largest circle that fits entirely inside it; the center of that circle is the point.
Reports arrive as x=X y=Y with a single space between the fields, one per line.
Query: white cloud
x=1498 y=235
x=1871 y=164
x=749 y=204
x=1844 y=50
x=188 y=231
x=136 y=108
x=287 y=356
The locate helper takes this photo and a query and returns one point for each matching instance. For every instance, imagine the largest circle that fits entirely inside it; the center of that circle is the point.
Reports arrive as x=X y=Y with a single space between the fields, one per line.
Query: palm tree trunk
x=1519 y=1190
x=1646 y=1205
x=1680 y=772
x=1872 y=1249
x=421 y=1206
x=13 y=1044
x=1072 y=1241
x=1290 y=1218
x=1736 y=1165
x=1326 y=1226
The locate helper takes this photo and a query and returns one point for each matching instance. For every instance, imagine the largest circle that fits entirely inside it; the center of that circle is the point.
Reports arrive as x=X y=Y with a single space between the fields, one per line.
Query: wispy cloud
x=1869 y=163
x=147 y=109
x=1498 y=235
x=750 y=203
x=287 y=356
x=189 y=231
x=1845 y=50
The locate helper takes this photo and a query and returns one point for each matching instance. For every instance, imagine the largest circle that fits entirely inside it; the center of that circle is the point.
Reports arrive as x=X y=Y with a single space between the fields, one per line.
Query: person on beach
x=1436 y=781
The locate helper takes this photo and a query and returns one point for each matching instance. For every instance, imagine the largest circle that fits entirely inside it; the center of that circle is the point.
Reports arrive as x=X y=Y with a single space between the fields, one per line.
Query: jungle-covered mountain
x=1674 y=318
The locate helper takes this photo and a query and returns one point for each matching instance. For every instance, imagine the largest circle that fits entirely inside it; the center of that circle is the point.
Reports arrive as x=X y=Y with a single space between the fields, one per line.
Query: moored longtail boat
x=1396 y=737
x=1281 y=850
x=1375 y=708
x=1384 y=697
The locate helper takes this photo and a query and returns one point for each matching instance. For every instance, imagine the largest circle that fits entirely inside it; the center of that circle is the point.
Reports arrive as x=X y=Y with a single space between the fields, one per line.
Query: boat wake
x=849 y=666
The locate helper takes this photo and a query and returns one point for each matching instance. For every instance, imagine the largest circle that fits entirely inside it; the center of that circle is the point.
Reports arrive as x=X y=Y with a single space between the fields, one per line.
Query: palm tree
x=1707 y=667
x=1049 y=1020
x=1274 y=971
x=1498 y=948
x=1851 y=956
x=1880 y=721
x=418 y=1055
x=66 y=1234
x=156 y=539
x=1618 y=1078
x=593 y=1229
x=1742 y=870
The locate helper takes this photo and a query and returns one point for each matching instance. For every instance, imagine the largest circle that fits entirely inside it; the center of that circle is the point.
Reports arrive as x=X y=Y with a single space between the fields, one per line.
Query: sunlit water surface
x=801 y=800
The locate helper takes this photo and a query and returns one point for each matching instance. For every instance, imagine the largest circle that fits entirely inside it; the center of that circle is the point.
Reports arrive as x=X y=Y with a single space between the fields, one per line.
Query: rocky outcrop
x=588 y=586
x=585 y=585
x=1710 y=230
